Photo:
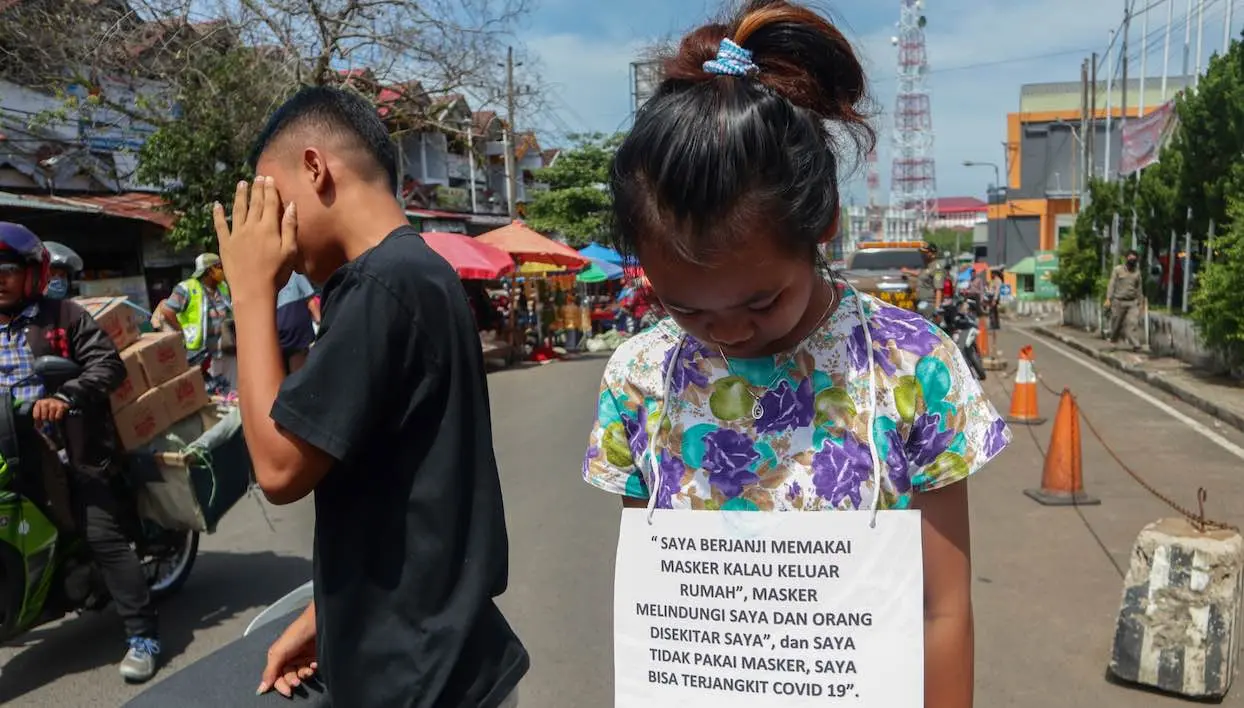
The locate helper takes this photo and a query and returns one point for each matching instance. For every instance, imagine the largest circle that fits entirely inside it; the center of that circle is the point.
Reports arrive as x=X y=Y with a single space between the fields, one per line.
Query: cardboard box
x=184 y=396
x=141 y=421
x=162 y=356
x=117 y=319
x=133 y=386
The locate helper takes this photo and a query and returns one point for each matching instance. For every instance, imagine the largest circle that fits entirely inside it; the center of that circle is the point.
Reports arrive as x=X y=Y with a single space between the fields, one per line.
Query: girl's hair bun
x=800 y=54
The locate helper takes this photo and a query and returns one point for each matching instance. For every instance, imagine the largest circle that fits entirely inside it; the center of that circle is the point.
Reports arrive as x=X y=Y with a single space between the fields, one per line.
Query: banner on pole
x=1144 y=138
x=728 y=609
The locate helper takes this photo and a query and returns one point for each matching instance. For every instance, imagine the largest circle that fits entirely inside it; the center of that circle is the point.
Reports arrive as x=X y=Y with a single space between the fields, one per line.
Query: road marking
x=1199 y=427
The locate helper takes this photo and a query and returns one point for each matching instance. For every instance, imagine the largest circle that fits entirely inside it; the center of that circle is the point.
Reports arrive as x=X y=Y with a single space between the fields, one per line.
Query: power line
x=994 y=62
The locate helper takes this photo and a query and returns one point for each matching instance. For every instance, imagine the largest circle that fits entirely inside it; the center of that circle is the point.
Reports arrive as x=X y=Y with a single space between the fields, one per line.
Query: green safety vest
x=193 y=317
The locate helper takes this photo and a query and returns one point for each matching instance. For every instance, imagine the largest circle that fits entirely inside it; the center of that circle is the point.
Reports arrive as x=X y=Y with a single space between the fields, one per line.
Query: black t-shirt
x=410 y=540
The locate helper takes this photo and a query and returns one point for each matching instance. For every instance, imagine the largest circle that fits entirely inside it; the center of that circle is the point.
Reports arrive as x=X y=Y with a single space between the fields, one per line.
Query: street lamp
x=997 y=184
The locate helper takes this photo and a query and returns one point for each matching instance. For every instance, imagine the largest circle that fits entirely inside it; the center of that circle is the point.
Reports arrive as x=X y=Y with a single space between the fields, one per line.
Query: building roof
x=482 y=121
x=524 y=143
x=959 y=205
x=1067 y=96
x=142 y=206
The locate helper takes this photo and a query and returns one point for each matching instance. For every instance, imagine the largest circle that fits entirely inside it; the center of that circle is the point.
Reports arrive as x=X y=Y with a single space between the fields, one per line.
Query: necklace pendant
x=757 y=411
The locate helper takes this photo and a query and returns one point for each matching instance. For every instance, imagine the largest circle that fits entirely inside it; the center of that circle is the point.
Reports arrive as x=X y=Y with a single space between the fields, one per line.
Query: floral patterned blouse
x=808 y=450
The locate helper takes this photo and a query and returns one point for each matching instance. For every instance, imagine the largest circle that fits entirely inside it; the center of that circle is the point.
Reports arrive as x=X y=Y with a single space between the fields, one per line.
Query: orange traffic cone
x=1024 y=397
x=982 y=338
x=1062 y=480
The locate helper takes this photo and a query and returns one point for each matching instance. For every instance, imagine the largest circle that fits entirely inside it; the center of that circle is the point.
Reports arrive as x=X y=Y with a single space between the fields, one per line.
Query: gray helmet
x=63 y=257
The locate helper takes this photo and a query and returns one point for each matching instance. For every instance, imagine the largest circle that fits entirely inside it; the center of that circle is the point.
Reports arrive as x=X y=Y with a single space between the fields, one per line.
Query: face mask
x=1131 y=265
x=58 y=288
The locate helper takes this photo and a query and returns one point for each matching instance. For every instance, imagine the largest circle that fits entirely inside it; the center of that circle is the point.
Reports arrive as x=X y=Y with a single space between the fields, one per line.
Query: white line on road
x=1190 y=422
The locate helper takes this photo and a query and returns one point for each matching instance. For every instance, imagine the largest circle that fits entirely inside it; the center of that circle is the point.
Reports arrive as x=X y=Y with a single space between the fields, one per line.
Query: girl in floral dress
x=772 y=386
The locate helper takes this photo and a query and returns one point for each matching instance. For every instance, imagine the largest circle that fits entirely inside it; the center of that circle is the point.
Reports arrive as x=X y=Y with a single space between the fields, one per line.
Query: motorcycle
x=959 y=319
x=46 y=571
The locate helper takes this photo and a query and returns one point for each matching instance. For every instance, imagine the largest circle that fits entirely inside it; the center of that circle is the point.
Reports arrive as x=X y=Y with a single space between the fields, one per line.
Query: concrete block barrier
x=1178 y=628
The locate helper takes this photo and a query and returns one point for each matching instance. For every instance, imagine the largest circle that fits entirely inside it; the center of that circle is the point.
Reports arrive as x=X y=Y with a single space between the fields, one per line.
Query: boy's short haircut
x=343 y=114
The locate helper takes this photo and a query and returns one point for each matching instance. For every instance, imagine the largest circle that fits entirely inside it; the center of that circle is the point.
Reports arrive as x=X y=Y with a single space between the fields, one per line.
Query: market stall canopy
x=470 y=258
x=527 y=246
x=597 y=252
x=599 y=272
x=539 y=269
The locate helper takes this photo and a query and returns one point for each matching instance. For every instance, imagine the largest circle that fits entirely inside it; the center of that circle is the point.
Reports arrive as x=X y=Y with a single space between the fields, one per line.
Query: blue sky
x=980 y=53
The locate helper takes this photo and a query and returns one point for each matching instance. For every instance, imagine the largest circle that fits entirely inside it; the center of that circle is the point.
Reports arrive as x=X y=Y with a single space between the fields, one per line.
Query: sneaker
x=139 y=664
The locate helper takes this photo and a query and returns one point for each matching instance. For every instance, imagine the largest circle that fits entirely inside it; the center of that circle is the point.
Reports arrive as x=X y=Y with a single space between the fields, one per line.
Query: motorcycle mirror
x=55 y=367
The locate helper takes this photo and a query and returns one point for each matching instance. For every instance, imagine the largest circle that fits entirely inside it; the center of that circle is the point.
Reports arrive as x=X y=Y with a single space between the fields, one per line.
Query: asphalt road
x=1047 y=579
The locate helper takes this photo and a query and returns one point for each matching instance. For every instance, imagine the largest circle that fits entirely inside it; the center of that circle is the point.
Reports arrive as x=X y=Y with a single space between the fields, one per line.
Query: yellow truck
x=885 y=269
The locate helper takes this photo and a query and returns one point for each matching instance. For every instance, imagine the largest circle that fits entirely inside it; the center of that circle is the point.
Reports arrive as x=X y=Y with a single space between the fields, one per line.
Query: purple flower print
x=794 y=492
x=728 y=455
x=927 y=440
x=588 y=457
x=857 y=348
x=995 y=438
x=838 y=470
x=786 y=407
x=669 y=478
x=896 y=462
x=909 y=331
x=686 y=372
x=637 y=432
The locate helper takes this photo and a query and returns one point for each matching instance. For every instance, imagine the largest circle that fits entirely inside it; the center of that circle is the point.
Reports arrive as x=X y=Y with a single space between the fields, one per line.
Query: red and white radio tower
x=875 y=210
x=913 y=181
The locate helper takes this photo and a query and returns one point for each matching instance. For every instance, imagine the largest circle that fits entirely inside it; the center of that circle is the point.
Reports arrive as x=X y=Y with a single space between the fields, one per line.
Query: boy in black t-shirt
x=387 y=423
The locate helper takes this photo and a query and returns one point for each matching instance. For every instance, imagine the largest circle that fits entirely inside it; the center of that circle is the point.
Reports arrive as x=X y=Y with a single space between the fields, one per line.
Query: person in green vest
x=199 y=307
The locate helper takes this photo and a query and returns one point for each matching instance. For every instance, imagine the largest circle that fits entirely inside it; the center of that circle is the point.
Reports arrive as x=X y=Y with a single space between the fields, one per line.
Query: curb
x=1156 y=380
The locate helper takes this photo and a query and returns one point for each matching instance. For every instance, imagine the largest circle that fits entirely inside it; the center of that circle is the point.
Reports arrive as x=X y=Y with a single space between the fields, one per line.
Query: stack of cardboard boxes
x=160 y=388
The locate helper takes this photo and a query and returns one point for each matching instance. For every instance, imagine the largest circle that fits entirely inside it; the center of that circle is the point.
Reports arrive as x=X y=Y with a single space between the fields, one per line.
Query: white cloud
x=980 y=53
x=589 y=80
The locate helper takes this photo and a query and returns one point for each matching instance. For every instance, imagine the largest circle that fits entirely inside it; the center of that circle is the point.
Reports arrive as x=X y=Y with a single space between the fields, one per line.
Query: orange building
x=1045 y=170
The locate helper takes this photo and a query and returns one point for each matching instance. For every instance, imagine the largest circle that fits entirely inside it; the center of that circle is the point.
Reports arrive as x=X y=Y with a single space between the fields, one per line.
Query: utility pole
x=1187 y=41
x=1111 y=67
x=1200 y=39
x=1086 y=123
x=1127 y=31
x=1226 y=28
x=511 y=179
x=1144 y=61
x=1092 y=133
x=1166 y=45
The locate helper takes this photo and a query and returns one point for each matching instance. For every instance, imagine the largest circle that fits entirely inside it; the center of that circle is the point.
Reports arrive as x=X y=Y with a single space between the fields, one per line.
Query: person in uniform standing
x=1123 y=296
x=928 y=294
x=201 y=307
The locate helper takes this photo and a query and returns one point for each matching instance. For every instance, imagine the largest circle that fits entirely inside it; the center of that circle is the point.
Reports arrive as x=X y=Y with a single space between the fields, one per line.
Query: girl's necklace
x=758 y=408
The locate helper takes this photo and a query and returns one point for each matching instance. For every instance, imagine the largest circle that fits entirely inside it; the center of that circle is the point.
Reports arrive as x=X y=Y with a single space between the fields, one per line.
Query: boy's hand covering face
x=259 y=251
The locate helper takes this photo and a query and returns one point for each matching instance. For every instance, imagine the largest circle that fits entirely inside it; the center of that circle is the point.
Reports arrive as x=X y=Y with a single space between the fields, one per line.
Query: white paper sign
x=780 y=610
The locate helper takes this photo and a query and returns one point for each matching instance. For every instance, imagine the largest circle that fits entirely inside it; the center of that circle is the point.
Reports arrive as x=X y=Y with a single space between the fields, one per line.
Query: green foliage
x=577 y=204
x=1219 y=301
x=1210 y=141
x=200 y=156
x=1080 y=273
x=945 y=240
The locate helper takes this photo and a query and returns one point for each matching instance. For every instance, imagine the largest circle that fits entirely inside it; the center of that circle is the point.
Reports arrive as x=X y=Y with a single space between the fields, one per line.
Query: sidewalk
x=1221 y=398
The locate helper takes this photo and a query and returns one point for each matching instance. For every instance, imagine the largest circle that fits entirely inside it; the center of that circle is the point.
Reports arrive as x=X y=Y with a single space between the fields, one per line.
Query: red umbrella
x=527 y=246
x=473 y=260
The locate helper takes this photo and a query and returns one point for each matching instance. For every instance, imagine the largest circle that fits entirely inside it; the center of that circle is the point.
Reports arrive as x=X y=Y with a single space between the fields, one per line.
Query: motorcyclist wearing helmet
x=64 y=266
x=33 y=325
